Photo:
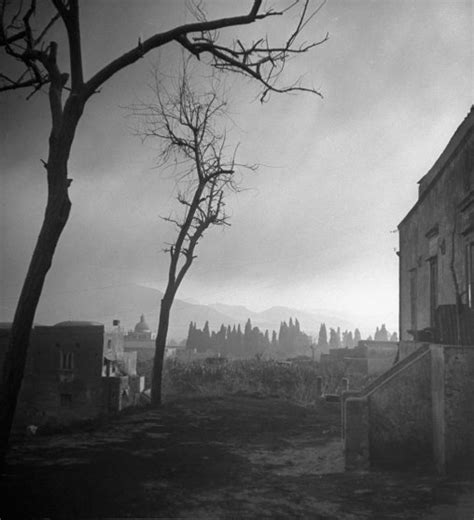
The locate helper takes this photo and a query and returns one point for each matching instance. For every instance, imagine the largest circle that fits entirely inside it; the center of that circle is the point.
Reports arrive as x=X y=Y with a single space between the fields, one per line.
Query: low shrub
x=297 y=382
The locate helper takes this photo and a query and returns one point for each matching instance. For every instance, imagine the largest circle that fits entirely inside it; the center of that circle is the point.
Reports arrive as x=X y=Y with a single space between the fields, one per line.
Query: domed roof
x=78 y=324
x=142 y=325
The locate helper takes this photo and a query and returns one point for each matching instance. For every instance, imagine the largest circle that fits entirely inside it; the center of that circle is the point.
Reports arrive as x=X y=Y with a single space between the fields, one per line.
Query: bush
x=297 y=382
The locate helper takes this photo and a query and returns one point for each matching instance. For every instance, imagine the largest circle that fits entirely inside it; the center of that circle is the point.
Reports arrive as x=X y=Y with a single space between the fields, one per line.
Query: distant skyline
x=315 y=227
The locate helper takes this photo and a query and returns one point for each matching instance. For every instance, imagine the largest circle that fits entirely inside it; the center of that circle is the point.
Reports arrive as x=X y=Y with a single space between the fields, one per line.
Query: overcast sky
x=315 y=226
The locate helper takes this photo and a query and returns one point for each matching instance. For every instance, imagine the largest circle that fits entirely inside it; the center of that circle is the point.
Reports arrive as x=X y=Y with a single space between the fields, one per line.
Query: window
x=470 y=274
x=65 y=400
x=433 y=289
x=413 y=299
x=66 y=360
x=467 y=171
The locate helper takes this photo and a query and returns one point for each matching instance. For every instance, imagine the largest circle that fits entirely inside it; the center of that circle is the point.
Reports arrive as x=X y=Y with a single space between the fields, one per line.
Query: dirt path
x=230 y=458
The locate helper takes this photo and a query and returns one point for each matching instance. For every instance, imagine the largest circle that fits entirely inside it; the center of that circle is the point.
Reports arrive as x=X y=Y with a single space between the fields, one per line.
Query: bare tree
x=31 y=62
x=189 y=127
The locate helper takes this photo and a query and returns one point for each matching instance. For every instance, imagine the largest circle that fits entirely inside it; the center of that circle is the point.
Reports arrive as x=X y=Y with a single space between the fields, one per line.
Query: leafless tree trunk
x=189 y=128
x=24 y=44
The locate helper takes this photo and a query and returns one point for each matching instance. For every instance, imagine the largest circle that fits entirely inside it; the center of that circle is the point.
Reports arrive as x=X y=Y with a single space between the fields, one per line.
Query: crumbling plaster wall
x=44 y=382
x=399 y=413
x=459 y=407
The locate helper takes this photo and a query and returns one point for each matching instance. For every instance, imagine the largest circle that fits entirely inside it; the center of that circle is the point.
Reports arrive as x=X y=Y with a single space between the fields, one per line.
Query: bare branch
x=259 y=60
x=187 y=125
x=47 y=27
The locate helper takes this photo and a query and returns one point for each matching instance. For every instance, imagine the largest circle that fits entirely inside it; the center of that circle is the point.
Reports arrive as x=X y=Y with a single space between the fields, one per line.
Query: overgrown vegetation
x=265 y=378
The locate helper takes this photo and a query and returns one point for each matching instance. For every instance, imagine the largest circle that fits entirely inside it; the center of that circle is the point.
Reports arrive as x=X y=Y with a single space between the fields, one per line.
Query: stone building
x=63 y=375
x=75 y=370
x=368 y=358
x=421 y=410
x=141 y=332
x=141 y=341
x=437 y=248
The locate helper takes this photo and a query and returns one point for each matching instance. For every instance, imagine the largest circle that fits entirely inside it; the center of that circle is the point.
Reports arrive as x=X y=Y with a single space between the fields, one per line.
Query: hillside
x=84 y=299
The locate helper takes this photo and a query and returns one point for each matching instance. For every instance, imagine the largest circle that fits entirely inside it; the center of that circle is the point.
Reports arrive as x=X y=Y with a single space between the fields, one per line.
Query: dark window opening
x=66 y=361
x=470 y=274
x=413 y=300
x=433 y=289
x=65 y=400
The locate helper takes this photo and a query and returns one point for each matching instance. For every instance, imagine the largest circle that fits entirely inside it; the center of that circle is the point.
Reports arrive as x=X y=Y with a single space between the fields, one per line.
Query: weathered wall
x=145 y=349
x=355 y=366
x=114 y=340
x=356 y=432
x=52 y=394
x=128 y=363
x=121 y=392
x=405 y=348
x=439 y=211
x=399 y=414
x=459 y=407
x=421 y=411
x=381 y=348
x=378 y=365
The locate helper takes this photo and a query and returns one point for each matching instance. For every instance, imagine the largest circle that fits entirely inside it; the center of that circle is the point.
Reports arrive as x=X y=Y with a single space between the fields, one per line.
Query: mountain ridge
x=126 y=302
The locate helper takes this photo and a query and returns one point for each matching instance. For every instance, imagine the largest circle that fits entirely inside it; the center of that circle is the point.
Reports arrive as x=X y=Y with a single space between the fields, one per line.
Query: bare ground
x=205 y=458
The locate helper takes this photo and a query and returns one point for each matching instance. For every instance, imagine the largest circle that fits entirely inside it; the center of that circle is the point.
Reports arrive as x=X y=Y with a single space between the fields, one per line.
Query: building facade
x=437 y=249
x=421 y=411
x=75 y=370
x=63 y=374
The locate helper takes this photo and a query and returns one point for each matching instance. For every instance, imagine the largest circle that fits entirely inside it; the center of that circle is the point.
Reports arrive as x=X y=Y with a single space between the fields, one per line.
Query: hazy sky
x=315 y=226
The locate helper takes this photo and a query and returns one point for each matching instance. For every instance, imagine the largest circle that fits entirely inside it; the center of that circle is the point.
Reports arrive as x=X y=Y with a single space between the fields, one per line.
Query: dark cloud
x=337 y=175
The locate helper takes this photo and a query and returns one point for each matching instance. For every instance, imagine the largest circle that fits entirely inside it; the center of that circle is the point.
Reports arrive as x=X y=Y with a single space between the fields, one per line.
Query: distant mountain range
x=128 y=301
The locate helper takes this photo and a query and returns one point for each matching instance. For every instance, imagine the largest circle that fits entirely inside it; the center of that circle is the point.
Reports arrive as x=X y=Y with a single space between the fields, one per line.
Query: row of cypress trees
x=290 y=341
x=233 y=342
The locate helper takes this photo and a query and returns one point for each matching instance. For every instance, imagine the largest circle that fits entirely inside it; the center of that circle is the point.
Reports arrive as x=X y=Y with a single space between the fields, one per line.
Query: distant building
x=437 y=248
x=368 y=358
x=141 y=341
x=75 y=370
x=141 y=332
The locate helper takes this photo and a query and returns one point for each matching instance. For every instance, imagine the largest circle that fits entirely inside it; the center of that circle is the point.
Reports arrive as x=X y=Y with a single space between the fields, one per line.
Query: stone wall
x=405 y=348
x=121 y=392
x=378 y=365
x=419 y=412
x=459 y=407
x=55 y=392
x=400 y=417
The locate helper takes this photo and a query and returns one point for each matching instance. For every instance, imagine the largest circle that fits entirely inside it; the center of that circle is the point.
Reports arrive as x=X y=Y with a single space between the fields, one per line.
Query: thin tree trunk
x=56 y=215
x=160 y=345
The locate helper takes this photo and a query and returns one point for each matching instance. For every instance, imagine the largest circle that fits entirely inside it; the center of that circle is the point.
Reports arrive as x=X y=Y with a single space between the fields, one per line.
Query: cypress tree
x=266 y=339
x=323 y=337
x=206 y=337
x=350 y=340
x=332 y=338
x=239 y=340
x=297 y=325
x=191 y=334
x=274 y=340
x=357 y=336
